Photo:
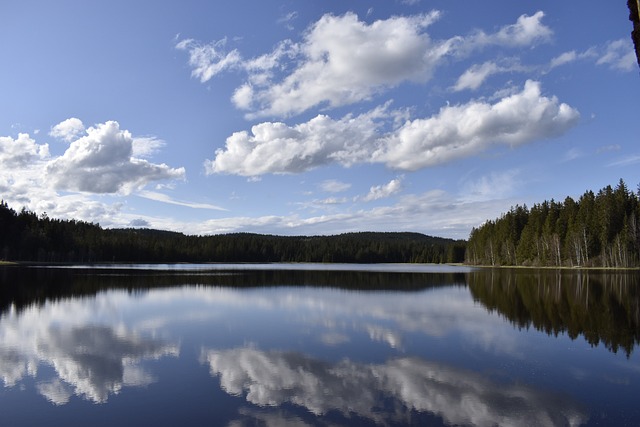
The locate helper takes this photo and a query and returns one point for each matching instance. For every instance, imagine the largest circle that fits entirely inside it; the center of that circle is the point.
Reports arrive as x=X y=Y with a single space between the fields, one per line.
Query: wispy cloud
x=627 y=161
x=496 y=185
x=160 y=197
x=617 y=55
x=476 y=75
x=288 y=19
x=334 y=186
x=382 y=191
x=209 y=59
x=573 y=154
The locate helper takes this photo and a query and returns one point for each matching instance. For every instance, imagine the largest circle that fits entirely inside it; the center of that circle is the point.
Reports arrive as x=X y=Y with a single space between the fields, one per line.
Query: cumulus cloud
x=460 y=397
x=102 y=162
x=20 y=151
x=454 y=133
x=100 y=159
x=274 y=147
x=68 y=130
x=345 y=60
x=342 y=60
x=464 y=130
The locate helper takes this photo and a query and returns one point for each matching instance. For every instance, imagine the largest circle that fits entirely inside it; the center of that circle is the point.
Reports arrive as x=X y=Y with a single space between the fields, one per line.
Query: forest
x=27 y=237
x=598 y=230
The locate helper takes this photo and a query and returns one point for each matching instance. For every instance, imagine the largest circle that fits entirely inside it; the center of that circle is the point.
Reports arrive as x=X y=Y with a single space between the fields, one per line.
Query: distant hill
x=26 y=237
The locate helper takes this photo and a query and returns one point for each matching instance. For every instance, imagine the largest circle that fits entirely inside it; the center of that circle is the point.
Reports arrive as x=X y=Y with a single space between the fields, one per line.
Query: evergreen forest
x=598 y=230
x=27 y=237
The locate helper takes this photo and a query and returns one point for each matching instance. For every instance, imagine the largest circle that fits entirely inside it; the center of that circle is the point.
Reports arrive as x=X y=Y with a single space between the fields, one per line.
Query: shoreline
x=502 y=267
x=554 y=267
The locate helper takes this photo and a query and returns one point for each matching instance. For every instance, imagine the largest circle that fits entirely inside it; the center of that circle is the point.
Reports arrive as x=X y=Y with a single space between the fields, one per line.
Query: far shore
x=504 y=267
x=554 y=267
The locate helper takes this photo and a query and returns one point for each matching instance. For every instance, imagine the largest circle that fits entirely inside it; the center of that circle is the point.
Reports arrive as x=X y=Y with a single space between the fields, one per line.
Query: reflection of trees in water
x=603 y=307
x=20 y=287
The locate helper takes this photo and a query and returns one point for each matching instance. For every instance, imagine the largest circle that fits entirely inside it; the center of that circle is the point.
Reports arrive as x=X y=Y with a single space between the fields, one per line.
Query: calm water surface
x=309 y=345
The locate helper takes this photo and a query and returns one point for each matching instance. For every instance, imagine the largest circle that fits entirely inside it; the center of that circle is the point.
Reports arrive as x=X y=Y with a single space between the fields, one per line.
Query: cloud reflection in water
x=460 y=397
x=89 y=360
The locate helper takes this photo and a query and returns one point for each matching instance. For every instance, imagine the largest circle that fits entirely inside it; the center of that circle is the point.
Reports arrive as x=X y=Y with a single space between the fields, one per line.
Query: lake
x=318 y=345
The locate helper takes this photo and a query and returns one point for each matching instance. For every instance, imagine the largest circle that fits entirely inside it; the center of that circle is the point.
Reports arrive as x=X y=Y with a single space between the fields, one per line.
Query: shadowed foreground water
x=275 y=345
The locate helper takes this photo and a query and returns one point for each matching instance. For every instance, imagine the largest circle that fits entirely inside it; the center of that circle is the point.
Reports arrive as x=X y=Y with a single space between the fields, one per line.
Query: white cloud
x=619 y=55
x=334 y=186
x=19 y=152
x=68 y=130
x=564 y=58
x=146 y=146
x=383 y=191
x=346 y=60
x=464 y=130
x=342 y=60
x=243 y=97
x=274 y=147
x=30 y=177
x=528 y=30
x=434 y=212
x=496 y=185
x=207 y=60
x=288 y=19
x=573 y=154
x=610 y=147
x=102 y=162
x=627 y=161
x=476 y=75
x=160 y=197
x=454 y=133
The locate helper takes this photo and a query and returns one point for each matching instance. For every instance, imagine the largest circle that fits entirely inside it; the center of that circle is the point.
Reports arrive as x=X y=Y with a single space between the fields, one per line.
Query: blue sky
x=312 y=117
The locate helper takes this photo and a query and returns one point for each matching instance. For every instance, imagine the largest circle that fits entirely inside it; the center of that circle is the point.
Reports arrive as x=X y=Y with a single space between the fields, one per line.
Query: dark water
x=318 y=345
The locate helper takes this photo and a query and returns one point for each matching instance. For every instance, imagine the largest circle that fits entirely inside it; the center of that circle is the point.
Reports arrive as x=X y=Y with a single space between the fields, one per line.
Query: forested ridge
x=25 y=236
x=599 y=229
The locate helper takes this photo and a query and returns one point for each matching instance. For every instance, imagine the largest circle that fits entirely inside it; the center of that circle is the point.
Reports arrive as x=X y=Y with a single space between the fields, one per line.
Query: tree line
x=25 y=236
x=599 y=229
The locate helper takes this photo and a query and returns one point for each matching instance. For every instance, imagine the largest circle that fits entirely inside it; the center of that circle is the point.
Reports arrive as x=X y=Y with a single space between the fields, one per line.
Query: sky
x=312 y=117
